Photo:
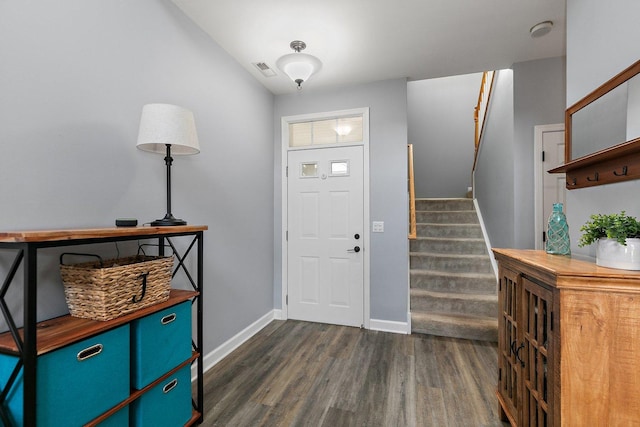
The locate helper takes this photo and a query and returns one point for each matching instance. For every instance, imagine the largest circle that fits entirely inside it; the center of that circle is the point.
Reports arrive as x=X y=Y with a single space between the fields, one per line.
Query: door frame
x=538 y=175
x=284 y=150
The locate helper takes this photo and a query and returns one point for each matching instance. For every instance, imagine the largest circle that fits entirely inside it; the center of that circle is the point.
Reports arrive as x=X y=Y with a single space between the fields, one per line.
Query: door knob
x=355 y=249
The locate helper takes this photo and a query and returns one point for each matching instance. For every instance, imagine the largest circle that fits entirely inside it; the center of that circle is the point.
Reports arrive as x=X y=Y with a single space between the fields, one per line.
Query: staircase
x=453 y=286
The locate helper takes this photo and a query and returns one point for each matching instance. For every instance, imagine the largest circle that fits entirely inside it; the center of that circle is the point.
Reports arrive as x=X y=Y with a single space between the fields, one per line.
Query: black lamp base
x=168 y=220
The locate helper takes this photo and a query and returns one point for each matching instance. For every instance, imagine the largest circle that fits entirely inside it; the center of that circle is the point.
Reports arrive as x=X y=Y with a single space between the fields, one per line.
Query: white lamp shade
x=163 y=124
x=299 y=65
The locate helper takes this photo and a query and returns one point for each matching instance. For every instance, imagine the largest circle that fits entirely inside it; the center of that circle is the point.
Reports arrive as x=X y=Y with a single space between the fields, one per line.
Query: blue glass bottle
x=558 y=232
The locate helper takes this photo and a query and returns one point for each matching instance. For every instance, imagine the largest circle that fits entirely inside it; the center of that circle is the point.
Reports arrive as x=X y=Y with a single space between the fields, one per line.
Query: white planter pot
x=610 y=253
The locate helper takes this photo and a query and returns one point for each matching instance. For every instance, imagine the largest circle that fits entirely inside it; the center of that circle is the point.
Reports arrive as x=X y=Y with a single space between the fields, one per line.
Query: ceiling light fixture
x=299 y=66
x=541 y=29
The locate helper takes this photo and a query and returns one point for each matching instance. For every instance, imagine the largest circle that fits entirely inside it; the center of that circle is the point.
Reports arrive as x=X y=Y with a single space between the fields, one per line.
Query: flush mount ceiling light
x=299 y=66
x=541 y=29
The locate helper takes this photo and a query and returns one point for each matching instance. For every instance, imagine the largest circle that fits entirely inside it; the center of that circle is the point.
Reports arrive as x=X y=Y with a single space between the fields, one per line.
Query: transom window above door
x=326 y=131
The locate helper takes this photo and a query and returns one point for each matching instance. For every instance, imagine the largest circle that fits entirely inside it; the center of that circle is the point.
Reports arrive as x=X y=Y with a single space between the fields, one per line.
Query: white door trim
x=284 y=191
x=538 y=174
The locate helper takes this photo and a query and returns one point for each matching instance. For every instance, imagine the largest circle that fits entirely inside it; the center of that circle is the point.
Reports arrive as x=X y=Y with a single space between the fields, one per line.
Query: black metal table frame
x=27 y=253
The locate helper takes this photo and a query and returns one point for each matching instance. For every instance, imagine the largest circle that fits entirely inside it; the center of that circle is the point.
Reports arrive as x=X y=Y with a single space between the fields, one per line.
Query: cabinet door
x=536 y=328
x=509 y=368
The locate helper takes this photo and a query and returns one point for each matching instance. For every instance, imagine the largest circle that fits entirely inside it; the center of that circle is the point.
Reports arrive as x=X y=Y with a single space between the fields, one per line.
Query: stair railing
x=480 y=111
x=412 y=196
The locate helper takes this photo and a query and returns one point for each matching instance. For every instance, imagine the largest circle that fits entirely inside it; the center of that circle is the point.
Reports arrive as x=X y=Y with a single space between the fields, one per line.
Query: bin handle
x=168 y=319
x=89 y=352
x=170 y=385
x=81 y=254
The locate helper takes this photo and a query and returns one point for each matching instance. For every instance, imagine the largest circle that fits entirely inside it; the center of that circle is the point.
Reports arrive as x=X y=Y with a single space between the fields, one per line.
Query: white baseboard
x=390 y=326
x=211 y=359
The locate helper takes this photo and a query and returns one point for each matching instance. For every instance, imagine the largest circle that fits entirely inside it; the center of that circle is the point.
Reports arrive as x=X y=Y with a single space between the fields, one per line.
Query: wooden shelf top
x=570 y=272
x=64 y=330
x=94 y=233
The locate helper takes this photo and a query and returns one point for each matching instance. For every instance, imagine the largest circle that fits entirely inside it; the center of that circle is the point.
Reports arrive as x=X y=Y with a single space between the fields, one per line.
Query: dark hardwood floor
x=307 y=374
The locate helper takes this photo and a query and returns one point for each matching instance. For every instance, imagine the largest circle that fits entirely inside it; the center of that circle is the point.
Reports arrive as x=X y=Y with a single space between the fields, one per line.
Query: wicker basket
x=104 y=290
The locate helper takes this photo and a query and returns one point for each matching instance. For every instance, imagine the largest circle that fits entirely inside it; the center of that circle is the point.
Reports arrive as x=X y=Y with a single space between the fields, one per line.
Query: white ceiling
x=361 y=41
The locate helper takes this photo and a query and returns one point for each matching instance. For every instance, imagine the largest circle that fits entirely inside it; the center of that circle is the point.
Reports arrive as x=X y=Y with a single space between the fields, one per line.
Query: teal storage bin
x=166 y=405
x=159 y=342
x=76 y=383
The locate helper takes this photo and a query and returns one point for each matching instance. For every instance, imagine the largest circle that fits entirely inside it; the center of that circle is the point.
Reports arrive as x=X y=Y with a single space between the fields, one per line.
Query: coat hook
x=572 y=183
x=623 y=173
x=594 y=179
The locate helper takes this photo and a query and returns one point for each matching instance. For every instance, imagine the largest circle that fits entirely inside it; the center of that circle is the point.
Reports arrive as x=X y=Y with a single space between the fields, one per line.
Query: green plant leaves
x=613 y=226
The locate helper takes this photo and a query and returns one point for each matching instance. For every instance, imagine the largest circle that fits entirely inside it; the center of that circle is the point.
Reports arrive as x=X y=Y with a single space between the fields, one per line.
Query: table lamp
x=168 y=129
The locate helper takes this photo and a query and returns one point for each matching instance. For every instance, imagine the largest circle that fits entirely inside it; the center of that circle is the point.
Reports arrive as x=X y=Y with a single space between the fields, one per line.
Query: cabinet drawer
x=77 y=383
x=159 y=343
x=166 y=405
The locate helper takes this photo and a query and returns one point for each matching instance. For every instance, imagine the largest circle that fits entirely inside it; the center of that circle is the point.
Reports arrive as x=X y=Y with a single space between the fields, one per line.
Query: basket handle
x=135 y=299
x=142 y=245
x=81 y=254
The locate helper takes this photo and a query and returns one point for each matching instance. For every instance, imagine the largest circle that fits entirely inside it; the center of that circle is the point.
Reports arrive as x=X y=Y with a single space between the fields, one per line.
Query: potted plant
x=617 y=237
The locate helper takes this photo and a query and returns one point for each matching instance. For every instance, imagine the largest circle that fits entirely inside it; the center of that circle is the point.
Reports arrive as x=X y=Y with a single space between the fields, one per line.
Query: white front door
x=326 y=235
x=550 y=139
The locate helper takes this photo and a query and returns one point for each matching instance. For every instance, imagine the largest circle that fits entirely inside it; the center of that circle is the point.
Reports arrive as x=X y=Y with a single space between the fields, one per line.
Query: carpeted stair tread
x=447 y=217
x=444 y=204
x=441 y=255
x=451 y=262
x=449 y=245
x=454 y=303
x=453 y=295
x=430 y=229
x=455 y=325
x=460 y=282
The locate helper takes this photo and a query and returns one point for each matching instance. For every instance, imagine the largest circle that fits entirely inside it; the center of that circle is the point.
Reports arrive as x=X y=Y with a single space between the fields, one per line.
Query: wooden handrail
x=412 y=196
x=480 y=111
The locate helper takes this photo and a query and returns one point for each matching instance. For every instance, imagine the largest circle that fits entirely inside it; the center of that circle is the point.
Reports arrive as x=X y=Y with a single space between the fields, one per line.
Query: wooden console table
x=569 y=341
x=29 y=341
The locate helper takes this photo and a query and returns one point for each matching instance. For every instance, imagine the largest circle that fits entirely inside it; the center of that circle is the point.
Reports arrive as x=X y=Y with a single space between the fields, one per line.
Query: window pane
x=309 y=170
x=324 y=132
x=349 y=129
x=300 y=134
x=339 y=167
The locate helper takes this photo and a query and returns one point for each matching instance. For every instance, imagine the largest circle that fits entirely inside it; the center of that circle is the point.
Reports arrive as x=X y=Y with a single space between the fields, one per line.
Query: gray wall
x=73 y=79
x=387 y=102
x=441 y=129
x=601 y=42
x=494 y=176
x=538 y=99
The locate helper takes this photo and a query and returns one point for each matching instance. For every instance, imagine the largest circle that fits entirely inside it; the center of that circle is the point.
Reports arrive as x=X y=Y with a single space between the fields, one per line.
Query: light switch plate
x=378 y=227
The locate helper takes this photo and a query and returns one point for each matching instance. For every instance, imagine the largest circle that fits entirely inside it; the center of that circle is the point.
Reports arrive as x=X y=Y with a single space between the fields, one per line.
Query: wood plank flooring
x=308 y=374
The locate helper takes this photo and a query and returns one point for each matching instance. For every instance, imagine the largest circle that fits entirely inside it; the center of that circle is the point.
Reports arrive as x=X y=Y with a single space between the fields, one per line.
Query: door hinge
x=499 y=374
x=286 y=171
x=551 y=328
x=544 y=236
x=543 y=155
x=286 y=235
x=286 y=298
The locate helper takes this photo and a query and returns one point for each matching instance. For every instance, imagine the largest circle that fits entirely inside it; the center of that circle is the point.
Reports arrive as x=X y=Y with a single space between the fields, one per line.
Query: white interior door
x=550 y=140
x=326 y=235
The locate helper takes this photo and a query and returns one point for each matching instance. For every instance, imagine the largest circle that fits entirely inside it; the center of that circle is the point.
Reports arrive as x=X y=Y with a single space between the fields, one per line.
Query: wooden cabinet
x=155 y=373
x=569 y=341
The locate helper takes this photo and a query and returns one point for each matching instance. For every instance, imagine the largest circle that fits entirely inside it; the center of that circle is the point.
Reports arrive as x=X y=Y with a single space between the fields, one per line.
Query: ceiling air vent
x=264 y=69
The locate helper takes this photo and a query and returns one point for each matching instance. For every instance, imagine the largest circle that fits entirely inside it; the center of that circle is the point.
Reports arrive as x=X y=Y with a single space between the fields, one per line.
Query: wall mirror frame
x=619 y=161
